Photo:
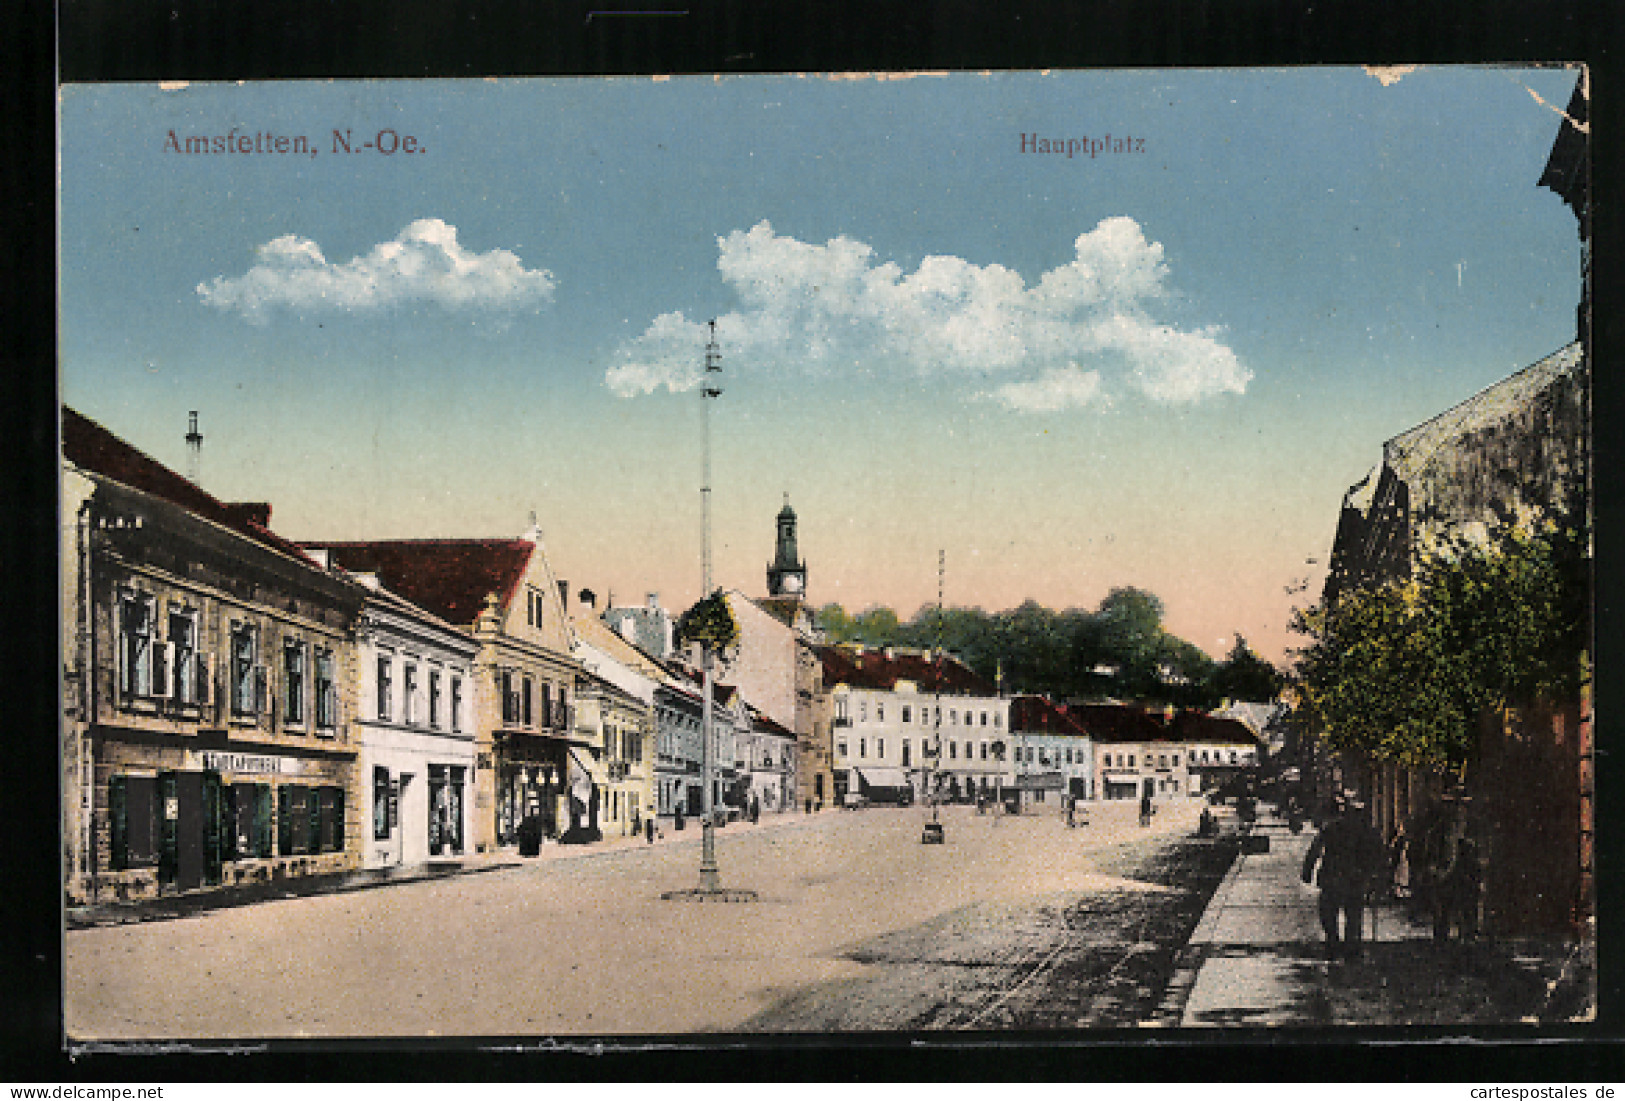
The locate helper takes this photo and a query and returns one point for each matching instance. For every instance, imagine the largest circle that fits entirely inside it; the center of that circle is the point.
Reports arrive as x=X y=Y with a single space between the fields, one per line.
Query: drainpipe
x=85 y=632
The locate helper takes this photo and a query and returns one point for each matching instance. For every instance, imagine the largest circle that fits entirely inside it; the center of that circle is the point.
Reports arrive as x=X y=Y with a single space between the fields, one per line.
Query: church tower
x=787 y=573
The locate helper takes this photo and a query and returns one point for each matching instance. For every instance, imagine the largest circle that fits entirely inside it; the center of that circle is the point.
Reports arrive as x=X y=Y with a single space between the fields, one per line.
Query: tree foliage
x=710 y=623
x=1118 y=649
x=1404 y=670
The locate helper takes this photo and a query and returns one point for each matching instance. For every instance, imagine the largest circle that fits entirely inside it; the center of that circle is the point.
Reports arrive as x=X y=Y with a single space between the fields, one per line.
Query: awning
x=883 y=777
x=1120 y=777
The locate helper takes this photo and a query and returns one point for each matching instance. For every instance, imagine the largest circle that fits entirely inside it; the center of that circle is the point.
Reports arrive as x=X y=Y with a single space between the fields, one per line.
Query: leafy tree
x=1243 y=675
x=710 y=623
x=1404 y=670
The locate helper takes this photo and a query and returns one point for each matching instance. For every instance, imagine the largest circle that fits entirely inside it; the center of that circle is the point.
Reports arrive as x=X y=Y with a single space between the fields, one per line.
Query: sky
x=1076 y=330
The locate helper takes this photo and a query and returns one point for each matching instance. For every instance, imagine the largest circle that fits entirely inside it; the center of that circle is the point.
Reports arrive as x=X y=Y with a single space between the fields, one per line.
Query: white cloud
x=836 y=306
x=1055 y=391
x=424 y=263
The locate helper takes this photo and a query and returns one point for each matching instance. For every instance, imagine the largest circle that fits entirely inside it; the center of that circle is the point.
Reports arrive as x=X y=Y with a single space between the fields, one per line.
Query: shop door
x=214 y=828
x=181 y=828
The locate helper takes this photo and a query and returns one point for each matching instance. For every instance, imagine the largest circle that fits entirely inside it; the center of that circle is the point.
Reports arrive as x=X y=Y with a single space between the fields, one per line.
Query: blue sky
x=1158 y=366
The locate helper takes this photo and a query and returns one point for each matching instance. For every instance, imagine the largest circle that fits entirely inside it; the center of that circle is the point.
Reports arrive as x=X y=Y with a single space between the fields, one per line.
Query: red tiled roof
x=874 y=669
x=449 y=577
x=1194 y=726
x=1036 y=715
x=1115 y=722
x=91 y=447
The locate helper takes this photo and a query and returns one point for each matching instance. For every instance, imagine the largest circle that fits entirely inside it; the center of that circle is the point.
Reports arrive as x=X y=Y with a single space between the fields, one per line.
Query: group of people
x=1351 y=866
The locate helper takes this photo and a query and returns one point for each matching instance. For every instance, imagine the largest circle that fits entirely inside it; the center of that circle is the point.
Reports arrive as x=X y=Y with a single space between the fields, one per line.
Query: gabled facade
x=208 y=735
x=530 y=762
x=776 y=667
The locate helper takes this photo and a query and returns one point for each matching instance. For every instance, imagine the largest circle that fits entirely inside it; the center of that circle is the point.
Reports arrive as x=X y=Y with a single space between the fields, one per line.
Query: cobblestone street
x=1015 y=922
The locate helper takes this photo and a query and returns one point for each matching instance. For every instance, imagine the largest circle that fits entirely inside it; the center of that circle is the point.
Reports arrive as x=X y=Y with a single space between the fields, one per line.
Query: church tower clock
x=787 y=573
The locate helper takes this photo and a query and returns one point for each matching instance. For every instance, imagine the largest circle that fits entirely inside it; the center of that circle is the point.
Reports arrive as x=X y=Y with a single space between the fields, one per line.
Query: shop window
x=132 y=804
x=380 y=804
x=135 y=645
x=293 y=682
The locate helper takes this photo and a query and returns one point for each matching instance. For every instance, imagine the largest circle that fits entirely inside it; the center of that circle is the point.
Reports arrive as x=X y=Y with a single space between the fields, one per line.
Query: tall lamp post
x=709 y=392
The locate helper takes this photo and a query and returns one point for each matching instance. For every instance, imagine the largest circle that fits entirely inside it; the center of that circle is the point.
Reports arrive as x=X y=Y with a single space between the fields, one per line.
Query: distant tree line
x=1119 y=650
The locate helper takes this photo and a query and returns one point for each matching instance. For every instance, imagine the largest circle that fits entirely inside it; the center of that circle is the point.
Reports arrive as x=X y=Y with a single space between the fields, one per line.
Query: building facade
x=415 y=729
x=208 y=735
x=531 y=765
x=1052 y=756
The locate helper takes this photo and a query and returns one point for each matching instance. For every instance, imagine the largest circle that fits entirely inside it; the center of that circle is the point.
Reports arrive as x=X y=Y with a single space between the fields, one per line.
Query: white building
x=1051 y=755
x=415 y=721
x=906 y=722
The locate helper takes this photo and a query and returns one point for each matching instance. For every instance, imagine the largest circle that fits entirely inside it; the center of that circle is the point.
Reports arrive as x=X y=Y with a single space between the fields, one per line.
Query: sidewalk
x=1258 y=958
x=169 y=907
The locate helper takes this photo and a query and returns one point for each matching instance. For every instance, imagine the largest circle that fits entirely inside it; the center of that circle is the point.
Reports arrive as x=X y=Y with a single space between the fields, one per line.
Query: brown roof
x=1194 y=726
x=876 y=669
x=449 y=577
x=91 y=447
x=1115 y=722
x=1036 y=715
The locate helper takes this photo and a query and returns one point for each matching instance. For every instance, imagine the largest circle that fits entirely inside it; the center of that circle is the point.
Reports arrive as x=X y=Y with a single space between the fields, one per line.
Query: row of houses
x=241 y=708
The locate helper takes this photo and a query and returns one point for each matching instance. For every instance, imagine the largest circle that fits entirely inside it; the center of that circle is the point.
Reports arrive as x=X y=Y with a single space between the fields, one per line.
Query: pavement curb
x=1188 y=963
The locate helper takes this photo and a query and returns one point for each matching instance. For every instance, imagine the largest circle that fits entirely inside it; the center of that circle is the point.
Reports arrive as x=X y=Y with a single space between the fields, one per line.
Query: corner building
x=208 y=736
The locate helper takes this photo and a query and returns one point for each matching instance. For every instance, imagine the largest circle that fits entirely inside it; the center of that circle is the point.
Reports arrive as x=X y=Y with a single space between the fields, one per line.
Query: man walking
x=1350 y=856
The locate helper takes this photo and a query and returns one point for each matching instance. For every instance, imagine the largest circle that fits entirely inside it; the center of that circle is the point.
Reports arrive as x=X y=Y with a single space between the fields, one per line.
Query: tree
x=711 y=623
x=1403 y=670
x=1243 y=675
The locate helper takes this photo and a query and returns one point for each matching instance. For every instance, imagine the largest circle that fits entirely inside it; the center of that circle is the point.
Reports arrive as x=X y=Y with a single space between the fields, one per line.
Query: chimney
x=194 y=450
x=653 y=600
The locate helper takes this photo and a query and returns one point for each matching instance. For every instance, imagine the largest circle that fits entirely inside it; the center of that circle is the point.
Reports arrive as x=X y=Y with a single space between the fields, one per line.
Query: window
x=434 y=698
x=244 y=685
x=840 y=749
x=907 y=715
x=1176 y=760
x=984 y=751
x=386 y=686
x=293 y=682
x=880 y=748
x=380 y=804
x=953 y=749
x=1131 y=760
x=863 y=711
x=326 y=691
x=457 y=703
x=183 y=641
x=135 y=645
x=997 y=719
x=1232 y=756
x=1162 y=760
x=880 y=712
x=409 y=694
x=984 y=718
x=510 y=700
x=953 y=716
x=547 y=705
x=863 y=747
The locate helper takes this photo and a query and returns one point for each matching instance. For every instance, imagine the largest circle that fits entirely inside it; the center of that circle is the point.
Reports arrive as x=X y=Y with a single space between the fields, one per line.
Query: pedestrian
x=1145 y=809
x=755 y=809
x=1350 y=858
x=1459 y=890
x=649 y=830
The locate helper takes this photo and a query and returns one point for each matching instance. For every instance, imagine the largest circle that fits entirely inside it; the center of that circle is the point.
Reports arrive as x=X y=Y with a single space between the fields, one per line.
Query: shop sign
x=250 y=763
